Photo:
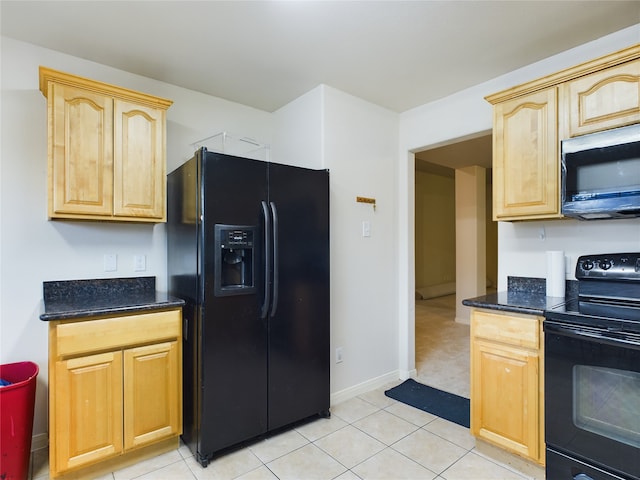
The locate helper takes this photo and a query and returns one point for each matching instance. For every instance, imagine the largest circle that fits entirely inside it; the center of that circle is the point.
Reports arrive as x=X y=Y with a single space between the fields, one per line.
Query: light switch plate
x=366 y=228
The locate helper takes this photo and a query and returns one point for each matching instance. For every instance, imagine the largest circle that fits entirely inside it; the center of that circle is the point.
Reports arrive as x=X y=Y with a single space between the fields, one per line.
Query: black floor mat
x=443 y=404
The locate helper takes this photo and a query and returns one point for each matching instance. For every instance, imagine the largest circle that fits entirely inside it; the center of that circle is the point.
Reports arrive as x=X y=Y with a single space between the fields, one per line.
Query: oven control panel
x=612 y=266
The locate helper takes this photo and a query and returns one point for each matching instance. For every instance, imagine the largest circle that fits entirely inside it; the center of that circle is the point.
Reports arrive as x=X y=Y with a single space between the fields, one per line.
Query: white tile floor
x=367 y=437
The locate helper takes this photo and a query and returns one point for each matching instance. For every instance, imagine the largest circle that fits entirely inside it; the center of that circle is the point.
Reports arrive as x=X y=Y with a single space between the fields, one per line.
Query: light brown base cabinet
x=115 y=391
x=507 y=382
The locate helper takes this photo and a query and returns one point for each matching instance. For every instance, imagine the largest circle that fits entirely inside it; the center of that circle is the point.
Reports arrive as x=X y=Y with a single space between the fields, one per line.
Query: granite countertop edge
x=78 y=313
x=524 y=295
x=77 y=299
x=489 y=302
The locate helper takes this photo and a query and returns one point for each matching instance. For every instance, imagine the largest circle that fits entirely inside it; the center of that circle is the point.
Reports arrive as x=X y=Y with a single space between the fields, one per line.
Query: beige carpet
x=442 y=346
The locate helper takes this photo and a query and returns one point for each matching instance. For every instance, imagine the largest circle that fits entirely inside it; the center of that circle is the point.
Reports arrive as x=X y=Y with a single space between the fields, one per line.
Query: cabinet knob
x=582 y=476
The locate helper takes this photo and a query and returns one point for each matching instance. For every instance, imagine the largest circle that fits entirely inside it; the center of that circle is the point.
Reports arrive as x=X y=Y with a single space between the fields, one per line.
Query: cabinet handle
x=185 y=329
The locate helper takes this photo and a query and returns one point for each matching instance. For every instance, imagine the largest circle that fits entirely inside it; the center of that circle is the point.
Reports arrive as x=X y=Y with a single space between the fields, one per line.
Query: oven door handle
x=599 y=336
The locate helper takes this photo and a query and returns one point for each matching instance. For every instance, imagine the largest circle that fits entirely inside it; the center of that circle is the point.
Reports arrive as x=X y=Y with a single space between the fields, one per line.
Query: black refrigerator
x=248 y=251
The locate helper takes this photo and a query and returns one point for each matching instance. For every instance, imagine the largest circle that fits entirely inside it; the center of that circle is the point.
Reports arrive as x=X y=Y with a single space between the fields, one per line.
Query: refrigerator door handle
x=274 y=301
x=267 y=260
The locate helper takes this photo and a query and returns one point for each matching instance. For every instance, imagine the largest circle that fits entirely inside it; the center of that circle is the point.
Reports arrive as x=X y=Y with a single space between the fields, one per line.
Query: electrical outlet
x=110 y=262
x=139 y=263
x=339 y=355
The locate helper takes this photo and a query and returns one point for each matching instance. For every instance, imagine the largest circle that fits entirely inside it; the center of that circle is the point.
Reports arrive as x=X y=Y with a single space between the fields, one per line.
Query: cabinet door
x=139 y=161
x=606 y=99
x=81 y=155
x=88 y=399
x=525 y=158
x=152 y=394
x=504 y=397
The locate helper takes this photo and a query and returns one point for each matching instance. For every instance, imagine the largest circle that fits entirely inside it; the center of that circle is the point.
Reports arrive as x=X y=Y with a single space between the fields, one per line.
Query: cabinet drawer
x=512 y=329
x=108 y=333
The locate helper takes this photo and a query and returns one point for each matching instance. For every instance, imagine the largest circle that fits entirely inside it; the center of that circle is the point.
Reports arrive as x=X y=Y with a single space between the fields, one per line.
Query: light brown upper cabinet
x=602 y=100
x=525 y=157
x=530 y=121
x=107 y=153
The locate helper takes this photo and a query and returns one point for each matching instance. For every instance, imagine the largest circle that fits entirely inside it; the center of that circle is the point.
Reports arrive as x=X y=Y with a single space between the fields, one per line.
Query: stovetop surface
x=608 y=316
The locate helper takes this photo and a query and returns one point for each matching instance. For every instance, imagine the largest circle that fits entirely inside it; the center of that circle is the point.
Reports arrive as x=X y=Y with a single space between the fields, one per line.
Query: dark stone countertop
x=74 y=299
x=523 y=295
x=517 y=302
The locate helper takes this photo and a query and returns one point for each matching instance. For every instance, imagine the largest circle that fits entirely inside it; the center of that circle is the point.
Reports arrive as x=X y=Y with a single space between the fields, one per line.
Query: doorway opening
x=455 y=255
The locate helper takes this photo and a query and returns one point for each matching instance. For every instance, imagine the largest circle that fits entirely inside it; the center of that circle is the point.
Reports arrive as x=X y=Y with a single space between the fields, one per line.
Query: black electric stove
x=592 y=373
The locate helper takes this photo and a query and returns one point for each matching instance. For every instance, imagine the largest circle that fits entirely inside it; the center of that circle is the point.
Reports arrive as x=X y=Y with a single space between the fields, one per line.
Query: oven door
x=592 y=400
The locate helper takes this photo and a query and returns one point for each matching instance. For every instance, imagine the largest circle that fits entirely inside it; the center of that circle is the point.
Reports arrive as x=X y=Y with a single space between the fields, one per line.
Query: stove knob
x=606 y=264
x=587 y=265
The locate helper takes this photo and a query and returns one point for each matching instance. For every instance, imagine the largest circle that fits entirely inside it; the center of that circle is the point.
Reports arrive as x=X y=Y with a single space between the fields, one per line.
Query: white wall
x=522 y=250
x=435 y=225
x=33 y=249
x=299 y=131
x=357 y=142
x=471 y=237
x=360 y=151
x=466 y=114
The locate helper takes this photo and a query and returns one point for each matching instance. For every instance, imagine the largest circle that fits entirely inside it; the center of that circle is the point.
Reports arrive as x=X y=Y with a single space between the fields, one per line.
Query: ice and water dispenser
x=235 y=260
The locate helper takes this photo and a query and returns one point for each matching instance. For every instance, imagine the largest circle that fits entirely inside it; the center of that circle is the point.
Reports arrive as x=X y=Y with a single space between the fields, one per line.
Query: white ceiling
x=397 y=54
x=443 y=160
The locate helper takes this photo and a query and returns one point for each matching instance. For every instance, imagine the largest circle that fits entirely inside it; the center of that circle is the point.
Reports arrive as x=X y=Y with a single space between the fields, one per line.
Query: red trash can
x=17 y=402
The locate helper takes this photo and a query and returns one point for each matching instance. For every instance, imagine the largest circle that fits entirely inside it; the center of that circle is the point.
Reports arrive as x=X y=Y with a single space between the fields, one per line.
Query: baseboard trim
x=39 y=441
x=364 y=387
x=406 y=374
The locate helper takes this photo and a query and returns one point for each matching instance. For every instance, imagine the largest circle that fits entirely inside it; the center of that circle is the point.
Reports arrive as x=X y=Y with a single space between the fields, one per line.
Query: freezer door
x=233 y=337
x=299 y=315
x=183 y=272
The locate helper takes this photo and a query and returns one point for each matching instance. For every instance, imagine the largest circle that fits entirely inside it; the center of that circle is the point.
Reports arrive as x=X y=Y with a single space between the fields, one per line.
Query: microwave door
x=600 y=176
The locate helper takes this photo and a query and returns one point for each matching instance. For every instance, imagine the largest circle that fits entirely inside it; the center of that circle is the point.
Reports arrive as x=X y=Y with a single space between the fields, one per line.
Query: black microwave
x=601 y=174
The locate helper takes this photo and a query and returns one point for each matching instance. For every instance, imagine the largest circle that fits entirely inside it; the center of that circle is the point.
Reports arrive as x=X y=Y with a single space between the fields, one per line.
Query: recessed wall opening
x=455 y=255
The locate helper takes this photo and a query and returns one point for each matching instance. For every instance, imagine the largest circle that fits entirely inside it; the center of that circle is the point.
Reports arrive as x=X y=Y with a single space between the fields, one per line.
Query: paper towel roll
x=555 y=273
